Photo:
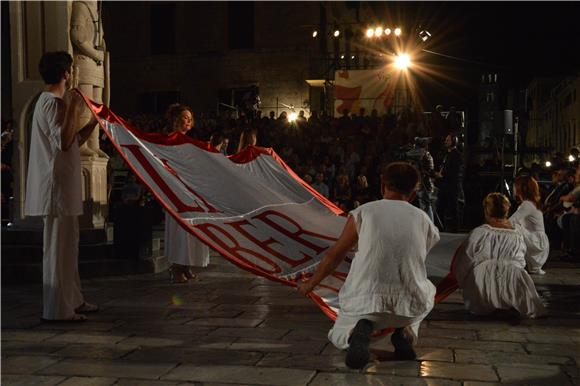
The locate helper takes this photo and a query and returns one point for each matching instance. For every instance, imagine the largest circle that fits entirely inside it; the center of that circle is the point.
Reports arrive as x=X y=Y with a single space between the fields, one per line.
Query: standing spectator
x=54 y=189
x=451 y=199
x=320 y=186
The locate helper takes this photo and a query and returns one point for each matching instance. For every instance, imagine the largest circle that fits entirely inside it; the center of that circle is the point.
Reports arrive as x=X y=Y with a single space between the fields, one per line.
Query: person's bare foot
x=87 y=308
x=177 y=274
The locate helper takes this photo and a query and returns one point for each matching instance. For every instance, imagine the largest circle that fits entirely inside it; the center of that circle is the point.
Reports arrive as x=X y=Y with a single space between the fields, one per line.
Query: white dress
x=531 y=220
x=181 y=247
x=54 y=191
x=387 y=282
x=490 y=270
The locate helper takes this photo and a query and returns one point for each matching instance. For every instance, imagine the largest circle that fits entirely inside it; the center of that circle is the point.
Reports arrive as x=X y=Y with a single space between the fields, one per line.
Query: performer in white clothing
x=387 y=285
x=490 y=267
x=53 y=188
x=531 y=219
x=181 y=248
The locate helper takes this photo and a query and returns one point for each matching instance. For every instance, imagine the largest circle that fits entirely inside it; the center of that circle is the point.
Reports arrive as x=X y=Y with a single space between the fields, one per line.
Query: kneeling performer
x=490 y=268
x=387 y=285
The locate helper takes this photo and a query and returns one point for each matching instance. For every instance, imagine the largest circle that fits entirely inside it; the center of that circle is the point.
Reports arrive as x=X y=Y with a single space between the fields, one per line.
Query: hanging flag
x=250 y=207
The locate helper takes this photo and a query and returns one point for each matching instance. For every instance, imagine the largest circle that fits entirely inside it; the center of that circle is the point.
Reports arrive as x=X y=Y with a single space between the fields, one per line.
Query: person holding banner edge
x=181 y=248
x=54 y=187
x=387 y=284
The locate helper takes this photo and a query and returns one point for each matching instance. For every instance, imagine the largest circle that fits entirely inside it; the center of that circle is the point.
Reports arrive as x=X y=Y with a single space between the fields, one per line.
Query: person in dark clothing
x=451 y=199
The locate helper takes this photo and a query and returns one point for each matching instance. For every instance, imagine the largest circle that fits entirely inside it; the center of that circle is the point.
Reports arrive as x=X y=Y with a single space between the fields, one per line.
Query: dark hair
x=496 y=205
x=174 y=112
x=217 y=138
x=53 y=65
x=400 y=177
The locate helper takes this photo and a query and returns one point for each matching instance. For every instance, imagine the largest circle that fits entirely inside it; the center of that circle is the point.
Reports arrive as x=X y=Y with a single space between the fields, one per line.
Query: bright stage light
x=370 y=33
x=398 y=31
x=378 y=31
x=352 y=57
x=548 y=164
x=425 y=35
x=336 y=33
x=342 y=56
x=314 y=33
x=402 y=61
x=292 y=117
x=388 y=31
x=571 y=158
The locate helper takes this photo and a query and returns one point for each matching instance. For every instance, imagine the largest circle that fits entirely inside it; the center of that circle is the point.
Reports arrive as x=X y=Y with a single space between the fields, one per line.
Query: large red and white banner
x=250 y=207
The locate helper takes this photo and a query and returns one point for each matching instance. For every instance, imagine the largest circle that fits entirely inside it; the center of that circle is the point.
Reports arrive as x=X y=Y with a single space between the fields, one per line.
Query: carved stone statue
x=91 y=67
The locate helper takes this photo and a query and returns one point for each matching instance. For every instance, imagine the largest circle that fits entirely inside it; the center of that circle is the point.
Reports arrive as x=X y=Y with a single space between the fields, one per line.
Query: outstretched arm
x=333 y=257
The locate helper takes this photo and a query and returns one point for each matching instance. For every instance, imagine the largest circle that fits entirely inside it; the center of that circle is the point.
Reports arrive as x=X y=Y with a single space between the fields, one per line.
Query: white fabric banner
x=250 y=207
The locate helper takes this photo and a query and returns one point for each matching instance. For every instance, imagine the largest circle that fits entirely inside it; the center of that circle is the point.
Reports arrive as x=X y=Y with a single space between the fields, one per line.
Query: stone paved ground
x=230 y=327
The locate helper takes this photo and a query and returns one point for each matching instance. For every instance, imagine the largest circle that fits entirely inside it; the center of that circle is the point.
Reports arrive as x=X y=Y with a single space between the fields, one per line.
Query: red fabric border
x=444 y=289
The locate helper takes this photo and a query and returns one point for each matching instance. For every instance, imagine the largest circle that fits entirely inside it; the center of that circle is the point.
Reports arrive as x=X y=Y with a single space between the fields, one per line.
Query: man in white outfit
x=53 y=188
x=387 y=285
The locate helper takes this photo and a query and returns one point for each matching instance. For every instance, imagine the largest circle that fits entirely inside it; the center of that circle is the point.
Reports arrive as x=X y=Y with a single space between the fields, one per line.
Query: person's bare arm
x=333 y=257
x=87 y=129
x=72 y=106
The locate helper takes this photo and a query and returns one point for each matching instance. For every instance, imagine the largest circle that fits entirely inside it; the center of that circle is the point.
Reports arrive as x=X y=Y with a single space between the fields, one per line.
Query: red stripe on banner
x=248 y=155
x=101 y=111
x=449 y=284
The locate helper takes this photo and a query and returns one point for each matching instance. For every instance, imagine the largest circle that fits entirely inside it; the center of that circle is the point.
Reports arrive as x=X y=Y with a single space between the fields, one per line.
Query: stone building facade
x=227 y=48
x=554 y=113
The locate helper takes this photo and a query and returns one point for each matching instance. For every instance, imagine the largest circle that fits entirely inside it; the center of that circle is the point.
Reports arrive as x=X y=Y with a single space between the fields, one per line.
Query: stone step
x=15 y=236
x=14 y=253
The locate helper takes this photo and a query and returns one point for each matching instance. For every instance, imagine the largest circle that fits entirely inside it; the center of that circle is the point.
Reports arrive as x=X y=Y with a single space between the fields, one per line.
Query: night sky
x=518 y=40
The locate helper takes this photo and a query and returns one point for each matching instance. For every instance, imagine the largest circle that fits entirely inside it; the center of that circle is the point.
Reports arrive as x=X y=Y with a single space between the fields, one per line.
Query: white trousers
x=60 y=268
x=340 y=332
x=181 y=247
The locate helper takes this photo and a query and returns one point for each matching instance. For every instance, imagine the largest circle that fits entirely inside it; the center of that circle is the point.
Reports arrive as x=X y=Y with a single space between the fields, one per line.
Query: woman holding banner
x=182 y=249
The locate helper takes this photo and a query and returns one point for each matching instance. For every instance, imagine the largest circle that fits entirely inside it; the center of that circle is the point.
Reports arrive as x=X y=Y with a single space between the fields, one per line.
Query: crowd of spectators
x=340 y=157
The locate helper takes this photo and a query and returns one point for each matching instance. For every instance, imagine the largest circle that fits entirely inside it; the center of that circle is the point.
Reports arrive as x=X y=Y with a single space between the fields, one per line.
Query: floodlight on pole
x=548 y=164
x=342 y=56
x=370 y=33
x=378 y=31
x=336 y=33
x=314 y=33
x=571 y=158
x=402 y=61
x=398 y=31
x=387 y=31
x=425 y=35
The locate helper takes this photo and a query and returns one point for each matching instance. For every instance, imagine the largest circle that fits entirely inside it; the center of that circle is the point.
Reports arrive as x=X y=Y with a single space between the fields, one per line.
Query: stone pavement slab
x=23 y=364
x=326 y=379
x=229 y=327
x=108 y=368
x=242 y=374
x=30 y=380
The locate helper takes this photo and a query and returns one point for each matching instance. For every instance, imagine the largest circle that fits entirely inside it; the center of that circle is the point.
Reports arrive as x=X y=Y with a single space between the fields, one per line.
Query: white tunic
x=183 y=248
x=53 y=185
x=388 y=271
x=490 y=270
x=531 y=220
